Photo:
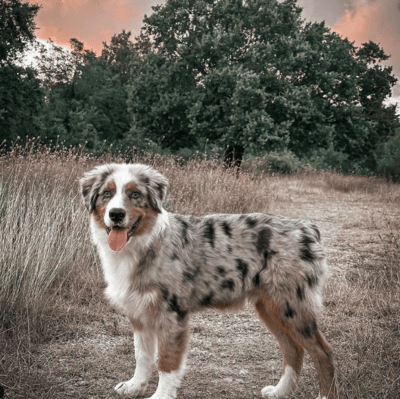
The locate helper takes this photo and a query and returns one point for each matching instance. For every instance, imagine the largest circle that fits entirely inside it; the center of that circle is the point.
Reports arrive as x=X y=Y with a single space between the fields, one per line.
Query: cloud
x=376 y=20
x=90 y=21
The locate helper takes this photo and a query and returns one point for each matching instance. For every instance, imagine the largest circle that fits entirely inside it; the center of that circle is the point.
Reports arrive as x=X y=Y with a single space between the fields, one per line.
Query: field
x=59 y=338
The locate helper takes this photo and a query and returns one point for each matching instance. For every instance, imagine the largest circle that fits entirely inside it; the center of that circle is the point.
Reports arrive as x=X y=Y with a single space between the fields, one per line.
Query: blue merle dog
x=160 y=267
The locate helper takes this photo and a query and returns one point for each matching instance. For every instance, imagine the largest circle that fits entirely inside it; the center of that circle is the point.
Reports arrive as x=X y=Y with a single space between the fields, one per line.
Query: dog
x=160 y=267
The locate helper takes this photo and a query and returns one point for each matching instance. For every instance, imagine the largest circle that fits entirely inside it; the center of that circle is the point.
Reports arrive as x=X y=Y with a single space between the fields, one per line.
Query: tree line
x=251 y=76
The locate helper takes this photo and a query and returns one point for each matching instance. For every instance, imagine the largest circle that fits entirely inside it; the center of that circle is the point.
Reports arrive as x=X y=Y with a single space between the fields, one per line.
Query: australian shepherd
x=160 y=267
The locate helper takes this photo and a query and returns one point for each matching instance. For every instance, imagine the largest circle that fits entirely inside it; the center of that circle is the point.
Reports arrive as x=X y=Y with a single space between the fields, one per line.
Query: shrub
x=274 y=162
x=329 y=158
x=389 y=158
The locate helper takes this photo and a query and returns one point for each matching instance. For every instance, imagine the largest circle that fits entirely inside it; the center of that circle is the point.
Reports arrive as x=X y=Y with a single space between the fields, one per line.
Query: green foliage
x=21 y=101
x=274 y=162
x=21 y=97
x=329 y=158
x=253 y=74
x=17 y=28
x=389 y=158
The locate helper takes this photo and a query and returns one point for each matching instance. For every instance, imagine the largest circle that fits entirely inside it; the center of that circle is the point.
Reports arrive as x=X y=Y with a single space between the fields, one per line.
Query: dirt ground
x=232 y=355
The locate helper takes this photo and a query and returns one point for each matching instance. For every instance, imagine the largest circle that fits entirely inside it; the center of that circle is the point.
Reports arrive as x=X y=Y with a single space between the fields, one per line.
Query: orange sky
x=378 y=21
x=90 y=21
x=95 y=21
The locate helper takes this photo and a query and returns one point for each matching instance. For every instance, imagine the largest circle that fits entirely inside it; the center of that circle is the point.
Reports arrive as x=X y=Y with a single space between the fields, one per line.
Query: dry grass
x=60 y=339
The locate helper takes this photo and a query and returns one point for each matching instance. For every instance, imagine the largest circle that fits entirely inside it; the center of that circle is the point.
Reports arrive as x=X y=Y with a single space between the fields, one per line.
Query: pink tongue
x=117 y=239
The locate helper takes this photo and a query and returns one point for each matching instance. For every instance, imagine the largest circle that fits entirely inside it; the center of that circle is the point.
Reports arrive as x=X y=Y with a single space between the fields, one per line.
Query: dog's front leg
x=172 y=353
x=145 y=354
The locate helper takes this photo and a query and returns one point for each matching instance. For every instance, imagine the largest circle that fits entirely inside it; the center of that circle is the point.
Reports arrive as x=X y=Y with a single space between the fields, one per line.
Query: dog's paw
x=273 y=392
x=131 y=388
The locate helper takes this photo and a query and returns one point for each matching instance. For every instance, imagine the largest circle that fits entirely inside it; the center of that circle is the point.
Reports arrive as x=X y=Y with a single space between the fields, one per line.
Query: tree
x=119 y=54
x=21 y=96
x=252 y=74
x=21 y=101
x=17 y=27
x=89 y=108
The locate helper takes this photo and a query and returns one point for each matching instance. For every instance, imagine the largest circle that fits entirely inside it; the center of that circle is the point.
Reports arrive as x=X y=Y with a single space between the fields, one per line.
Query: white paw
x=273 y=392
x=131 y=388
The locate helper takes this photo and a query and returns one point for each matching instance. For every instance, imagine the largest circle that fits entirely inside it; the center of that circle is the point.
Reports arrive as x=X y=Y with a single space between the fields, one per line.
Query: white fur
x=145 y=355
x=118 y=267
x=169 y=383
x=285 y=386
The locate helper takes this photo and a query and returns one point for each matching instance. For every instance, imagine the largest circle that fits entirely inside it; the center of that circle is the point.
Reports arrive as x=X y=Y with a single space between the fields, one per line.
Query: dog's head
x=124 y=199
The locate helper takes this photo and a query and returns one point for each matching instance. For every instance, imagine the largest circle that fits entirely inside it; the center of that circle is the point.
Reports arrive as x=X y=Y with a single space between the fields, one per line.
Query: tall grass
x=42 y=237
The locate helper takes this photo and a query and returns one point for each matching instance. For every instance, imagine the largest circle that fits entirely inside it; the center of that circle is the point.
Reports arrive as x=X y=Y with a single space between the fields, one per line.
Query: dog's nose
x=117 y=214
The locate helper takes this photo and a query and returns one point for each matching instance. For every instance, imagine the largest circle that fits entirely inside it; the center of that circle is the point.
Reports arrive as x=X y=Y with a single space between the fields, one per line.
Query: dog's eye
x=107 y=194
x=135 y=195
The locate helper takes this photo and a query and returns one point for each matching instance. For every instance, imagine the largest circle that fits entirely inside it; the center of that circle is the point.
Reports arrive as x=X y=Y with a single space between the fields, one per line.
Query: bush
x=329 y=158
x=273 y=162
x=388 y=158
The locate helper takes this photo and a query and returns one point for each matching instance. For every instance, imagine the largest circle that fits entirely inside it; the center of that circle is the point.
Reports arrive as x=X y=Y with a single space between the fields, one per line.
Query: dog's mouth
x=118 y=236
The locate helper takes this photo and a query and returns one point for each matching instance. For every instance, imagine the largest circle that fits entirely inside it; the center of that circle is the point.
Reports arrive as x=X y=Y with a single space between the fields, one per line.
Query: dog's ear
x=157 y=186
x=91 y=183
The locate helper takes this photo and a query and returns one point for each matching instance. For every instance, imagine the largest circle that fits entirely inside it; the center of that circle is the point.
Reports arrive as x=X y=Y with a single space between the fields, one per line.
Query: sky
x=95 y=21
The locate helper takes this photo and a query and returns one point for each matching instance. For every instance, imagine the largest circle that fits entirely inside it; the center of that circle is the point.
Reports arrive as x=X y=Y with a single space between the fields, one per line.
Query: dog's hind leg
x=145 y=355
x=321 y=353
x=172 y=353
x=292 y=351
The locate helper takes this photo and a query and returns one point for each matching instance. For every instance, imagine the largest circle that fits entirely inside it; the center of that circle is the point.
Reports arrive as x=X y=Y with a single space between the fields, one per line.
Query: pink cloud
x=90 y=21
x=376 y=20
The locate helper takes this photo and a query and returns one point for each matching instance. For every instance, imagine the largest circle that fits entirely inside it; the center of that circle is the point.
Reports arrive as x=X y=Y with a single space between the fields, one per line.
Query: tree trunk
x=233 y=156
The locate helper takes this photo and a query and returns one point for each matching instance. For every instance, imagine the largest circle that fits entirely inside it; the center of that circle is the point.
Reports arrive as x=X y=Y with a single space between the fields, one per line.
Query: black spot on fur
x=312 y=280
x=263 y=240
x=229 y=248
x=191 y=274
x=146 y=260
x=185 y=227
x=175 y=256
x=228 y=284
x=165 y=293
x=309 y=328
x=160 y=191
x=251 y=222
x=209 y=232
x=144 y=179
x=289 y=311
x=221 y=271
x=300 y=292
x=243 y=267
x=267 y=255
x=227 y=229
x=256 y=280
x=206 y=301
x=306 y=253
x=175 y=307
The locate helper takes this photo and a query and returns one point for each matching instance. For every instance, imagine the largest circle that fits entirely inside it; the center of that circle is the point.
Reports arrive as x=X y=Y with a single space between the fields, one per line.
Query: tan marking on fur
x=292 y=351
x=148 y=219
x=98 y=213
x=131 y=187
x=172 y=350
x=292 y=343
x=111 y=186
x=233 y=305
x=137 y=325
